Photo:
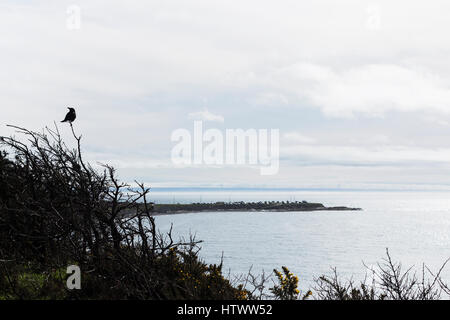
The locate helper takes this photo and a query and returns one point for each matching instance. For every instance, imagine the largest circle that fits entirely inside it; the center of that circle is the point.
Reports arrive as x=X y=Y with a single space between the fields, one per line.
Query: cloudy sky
x=359 y=90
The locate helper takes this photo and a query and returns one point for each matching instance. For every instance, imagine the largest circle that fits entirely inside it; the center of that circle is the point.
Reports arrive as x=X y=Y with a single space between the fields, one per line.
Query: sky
x=359 y=90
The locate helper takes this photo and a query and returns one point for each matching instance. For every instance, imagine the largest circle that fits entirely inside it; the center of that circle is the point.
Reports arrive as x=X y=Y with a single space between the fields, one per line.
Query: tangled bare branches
x=57 y=210
x=388 y=282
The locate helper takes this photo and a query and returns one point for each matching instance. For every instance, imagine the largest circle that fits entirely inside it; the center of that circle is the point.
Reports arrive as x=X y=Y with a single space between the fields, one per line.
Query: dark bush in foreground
x=387 y=281
x=56 y=211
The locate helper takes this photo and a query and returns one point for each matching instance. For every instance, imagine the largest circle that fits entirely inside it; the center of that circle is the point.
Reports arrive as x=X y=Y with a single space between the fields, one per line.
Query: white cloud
x=366 y=155
x=270 y=99
x=205 y=115
x=134 y=67
x=368 y=89
x=294 y=137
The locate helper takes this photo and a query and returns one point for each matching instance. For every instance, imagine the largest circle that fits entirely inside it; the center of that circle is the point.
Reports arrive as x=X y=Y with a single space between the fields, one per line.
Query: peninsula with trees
x=260 y=206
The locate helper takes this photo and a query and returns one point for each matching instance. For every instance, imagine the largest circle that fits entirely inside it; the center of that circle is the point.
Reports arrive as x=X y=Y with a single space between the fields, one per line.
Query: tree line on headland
x=244 y=206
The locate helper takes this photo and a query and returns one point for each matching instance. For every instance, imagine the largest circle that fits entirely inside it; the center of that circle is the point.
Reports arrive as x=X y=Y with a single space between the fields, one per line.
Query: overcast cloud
x=360 y=90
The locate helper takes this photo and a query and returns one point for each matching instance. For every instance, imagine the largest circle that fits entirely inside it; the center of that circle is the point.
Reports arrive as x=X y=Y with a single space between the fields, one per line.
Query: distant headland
x=245 y=206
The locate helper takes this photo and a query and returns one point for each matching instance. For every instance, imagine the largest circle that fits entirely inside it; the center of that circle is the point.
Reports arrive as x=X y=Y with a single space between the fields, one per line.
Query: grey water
x=414 y=226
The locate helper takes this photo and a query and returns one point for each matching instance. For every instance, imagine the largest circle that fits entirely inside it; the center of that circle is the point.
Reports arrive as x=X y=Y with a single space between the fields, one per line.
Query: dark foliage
x=387 y=281
x=56 y=210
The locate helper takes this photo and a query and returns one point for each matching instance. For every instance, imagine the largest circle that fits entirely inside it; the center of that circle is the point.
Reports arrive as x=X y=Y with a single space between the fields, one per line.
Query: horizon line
x=218 y=189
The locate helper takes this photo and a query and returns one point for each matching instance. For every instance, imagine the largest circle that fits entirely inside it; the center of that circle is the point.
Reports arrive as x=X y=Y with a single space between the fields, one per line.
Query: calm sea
x=415 y=226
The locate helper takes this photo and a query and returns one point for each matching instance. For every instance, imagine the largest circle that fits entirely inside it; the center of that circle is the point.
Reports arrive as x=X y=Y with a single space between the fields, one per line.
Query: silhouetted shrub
x=388 y=281
x=56 y=210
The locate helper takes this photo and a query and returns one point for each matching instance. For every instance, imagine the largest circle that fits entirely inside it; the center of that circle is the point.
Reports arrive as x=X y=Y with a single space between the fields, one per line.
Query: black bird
x=70 y=116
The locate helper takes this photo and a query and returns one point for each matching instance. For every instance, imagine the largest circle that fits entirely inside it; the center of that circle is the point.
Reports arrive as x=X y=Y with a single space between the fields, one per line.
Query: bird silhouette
x=70 y=116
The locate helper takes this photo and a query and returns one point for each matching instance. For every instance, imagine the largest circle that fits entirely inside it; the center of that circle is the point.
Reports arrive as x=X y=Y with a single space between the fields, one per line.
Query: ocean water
x=414 y=226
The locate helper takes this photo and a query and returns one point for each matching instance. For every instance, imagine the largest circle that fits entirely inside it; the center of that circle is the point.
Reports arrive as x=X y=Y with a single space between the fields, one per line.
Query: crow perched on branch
x=70 y=116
